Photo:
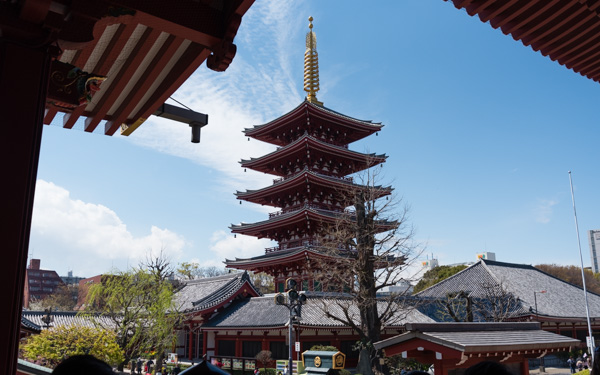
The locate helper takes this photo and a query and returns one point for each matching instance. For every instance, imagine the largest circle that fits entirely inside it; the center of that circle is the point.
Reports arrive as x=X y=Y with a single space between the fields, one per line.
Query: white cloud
x=91 y=233
x=256 y=88
x=226 y=246
x=543 y=211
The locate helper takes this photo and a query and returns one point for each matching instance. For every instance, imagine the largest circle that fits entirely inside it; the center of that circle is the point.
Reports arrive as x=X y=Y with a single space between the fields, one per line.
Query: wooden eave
x=274 y=259
x=308 y=115
x=307 y=148
x=304 y=182
x=302 y=218
x=145 y=49
x=567 y=31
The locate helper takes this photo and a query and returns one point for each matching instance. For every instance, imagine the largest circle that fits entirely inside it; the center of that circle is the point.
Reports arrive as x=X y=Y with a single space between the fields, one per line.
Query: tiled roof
x=26 y=323
x=263 y=312
x=201 y=294
x=560 y=299
x=66 y=318
x=483 y=337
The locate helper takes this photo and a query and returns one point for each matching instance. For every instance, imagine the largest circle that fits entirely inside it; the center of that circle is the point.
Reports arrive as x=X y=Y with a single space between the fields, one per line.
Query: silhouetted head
x=488 y=368
x=82 y=364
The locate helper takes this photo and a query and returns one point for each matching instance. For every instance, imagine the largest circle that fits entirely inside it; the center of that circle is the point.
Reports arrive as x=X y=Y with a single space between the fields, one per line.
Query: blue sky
x=480 y=131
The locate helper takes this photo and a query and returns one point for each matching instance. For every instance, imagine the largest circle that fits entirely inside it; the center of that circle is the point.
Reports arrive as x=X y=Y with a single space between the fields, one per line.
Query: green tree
x=140 y=309
x=435 y=275
x=64 y=298
x=572 y=275
x=54 y=345
x=188 y=270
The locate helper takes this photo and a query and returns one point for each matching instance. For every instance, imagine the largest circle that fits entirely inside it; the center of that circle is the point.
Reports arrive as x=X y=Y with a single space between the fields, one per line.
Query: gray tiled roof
x=204 y=293
x=263 y=312
x=482 y=337
x=29 y=324
x=66 y=318
x=560 y=299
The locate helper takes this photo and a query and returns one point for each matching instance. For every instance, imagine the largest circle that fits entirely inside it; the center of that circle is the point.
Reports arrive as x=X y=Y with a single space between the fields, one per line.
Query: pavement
x=552 y=371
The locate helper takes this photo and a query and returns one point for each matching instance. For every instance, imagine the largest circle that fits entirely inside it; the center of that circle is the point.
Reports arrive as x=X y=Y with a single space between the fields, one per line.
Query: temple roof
x=307 y=148
x=275 y=258
x=206 y=293
x=305 y=116
x=263 y=312
x=564 y=30
x=67 y=318
x=144 y=49
x=301 y=182
x=559 y=300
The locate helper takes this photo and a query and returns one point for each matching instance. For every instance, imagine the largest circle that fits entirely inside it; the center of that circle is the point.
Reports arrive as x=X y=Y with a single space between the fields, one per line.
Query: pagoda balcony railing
x=281 y=179
x=297 y=208
x=305 y=244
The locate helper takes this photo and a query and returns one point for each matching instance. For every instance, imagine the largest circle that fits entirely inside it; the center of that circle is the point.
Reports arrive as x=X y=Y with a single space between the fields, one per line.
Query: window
x=226 y=348
x=305 y=285
x=34 y=288
x=251 y=348
x=279 y=350
x=317 y=286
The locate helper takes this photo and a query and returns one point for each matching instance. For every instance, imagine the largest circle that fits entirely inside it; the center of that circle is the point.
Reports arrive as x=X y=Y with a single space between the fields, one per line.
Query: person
x=83 y=364
x=177 y=369
x=571 y=362
x=488 y=368
x=150 y=363
x=596 y=363
x=139 y=365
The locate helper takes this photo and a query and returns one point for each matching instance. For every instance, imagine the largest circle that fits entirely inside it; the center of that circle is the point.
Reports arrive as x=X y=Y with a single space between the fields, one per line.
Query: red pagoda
x=313 y=164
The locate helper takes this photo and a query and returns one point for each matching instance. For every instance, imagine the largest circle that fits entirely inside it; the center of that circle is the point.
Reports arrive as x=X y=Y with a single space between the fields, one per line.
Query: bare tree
x=367 y=249
x=159 y=265
x=492 y=303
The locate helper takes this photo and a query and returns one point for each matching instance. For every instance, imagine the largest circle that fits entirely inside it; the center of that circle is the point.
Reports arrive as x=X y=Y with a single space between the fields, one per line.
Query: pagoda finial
x=311 y=66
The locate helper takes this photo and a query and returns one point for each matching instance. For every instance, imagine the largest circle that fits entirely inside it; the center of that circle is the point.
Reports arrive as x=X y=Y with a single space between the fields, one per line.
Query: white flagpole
x=587 y=309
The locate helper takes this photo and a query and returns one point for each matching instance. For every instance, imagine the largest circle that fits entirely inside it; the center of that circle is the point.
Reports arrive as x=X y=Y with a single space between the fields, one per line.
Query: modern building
x=70 y=279
x=594 y=241
x=39 y=283
x=311 y=165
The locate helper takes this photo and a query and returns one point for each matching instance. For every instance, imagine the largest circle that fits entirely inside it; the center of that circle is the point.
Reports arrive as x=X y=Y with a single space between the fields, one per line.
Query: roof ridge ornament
x=311 y=66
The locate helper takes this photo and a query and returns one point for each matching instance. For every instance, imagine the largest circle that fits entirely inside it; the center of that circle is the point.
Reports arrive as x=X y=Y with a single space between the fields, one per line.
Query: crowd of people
x=89 y=365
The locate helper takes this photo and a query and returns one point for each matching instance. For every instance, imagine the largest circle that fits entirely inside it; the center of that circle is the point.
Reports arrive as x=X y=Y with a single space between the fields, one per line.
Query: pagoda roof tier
x=306 y=149
x=303 y=182
x=297 y=220
x=276 y=259
x=314 y=119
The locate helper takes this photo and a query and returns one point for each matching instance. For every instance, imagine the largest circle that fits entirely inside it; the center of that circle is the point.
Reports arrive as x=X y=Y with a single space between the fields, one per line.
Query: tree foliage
x=367 y=249
x=192 y=271
x=572 y=275
x=140 y=307
x=52 y=346
x=64 y=298
x=435 y=275
x=263 y=282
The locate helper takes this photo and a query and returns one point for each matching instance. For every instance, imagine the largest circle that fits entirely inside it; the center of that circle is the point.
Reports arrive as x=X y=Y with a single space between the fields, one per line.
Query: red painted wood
x=157 y=65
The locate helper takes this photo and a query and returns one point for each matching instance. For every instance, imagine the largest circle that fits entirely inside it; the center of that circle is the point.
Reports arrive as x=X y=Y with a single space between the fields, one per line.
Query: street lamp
x=293 y=302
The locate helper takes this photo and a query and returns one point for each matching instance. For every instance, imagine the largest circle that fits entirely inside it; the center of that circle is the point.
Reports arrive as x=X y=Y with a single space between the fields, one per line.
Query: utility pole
x=293 y=302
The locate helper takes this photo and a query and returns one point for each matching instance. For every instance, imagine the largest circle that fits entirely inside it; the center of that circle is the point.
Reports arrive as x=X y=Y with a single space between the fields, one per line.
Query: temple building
x=312 y=164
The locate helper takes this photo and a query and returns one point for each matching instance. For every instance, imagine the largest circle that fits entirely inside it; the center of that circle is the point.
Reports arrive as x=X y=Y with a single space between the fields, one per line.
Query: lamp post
x=293 y=302
x=542 y=366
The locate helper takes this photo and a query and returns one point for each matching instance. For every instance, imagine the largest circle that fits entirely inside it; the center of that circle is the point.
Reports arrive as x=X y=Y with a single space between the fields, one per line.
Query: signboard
x=282 y=367
x=172 y=358
x=238 y=364
x=226 y=363
x=249 y=364
x=297 y=346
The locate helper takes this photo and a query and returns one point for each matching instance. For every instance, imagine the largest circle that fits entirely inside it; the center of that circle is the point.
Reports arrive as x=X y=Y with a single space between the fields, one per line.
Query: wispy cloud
x=544 y=209
x=77 y=225
x=257 y=87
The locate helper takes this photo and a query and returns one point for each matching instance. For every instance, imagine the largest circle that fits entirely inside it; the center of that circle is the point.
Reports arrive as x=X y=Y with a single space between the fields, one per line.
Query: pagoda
x=312 y=164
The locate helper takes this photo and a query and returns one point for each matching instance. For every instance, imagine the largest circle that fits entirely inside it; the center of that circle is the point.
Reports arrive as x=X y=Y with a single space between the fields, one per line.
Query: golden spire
x=311 y=66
